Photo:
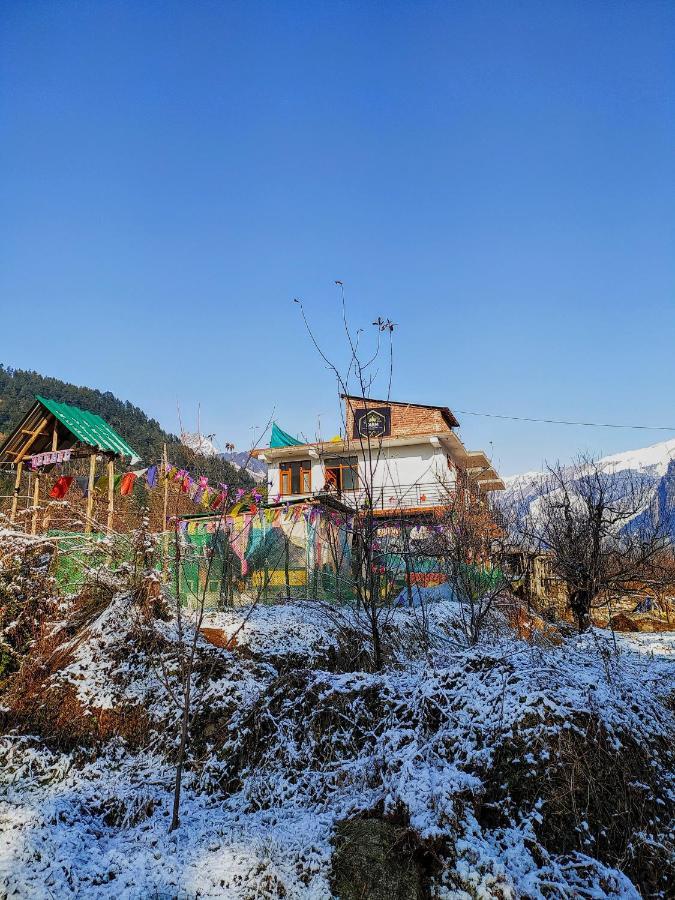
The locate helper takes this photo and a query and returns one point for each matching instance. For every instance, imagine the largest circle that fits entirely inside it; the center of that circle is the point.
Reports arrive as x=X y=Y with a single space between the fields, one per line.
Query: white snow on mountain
x=255 y=468
x=654 y=459
x=199 y=443
x=656 y=463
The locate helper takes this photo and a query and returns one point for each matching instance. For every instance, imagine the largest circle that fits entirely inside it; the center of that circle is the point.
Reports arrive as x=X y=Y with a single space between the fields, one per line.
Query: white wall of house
x=408 y=475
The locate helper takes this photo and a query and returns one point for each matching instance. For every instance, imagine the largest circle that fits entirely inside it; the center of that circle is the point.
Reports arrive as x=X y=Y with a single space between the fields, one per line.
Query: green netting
x=79 y=554
x=292 y=553
x=273 y=554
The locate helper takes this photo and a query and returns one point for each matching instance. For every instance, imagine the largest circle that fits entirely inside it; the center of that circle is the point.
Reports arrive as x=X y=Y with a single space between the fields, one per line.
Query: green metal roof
x=89 y=428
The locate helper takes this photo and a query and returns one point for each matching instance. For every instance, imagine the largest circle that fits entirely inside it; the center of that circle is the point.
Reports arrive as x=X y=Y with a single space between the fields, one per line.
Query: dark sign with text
x=372 y=423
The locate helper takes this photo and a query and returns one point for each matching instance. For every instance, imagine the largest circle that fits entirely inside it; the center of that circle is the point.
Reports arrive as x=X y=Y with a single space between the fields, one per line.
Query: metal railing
x=396 y=496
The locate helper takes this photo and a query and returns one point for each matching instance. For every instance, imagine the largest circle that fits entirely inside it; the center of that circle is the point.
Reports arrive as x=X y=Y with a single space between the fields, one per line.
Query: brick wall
x=405 y=420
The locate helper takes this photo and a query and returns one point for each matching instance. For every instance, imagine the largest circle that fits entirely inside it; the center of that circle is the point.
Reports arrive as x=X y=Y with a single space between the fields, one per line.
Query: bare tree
x=469 y=541
x=182 y=684
x=375 y=586
x=602 y=530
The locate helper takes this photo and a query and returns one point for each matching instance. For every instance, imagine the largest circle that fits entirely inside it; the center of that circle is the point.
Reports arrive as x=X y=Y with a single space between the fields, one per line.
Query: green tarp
x=281 y=439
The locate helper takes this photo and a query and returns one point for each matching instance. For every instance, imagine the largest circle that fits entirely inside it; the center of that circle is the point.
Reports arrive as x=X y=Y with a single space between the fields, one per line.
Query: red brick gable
x=406 y=418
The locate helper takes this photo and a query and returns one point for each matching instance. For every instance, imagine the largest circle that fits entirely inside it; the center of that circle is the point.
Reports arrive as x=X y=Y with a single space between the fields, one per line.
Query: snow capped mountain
x=655 y=464
x=255 y=468
x=204 y=444
x=199 y=443
x=653 y=460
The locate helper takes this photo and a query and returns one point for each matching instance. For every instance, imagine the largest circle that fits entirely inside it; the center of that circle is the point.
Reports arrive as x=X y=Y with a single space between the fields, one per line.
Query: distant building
x=401 y=457
x=533 y=579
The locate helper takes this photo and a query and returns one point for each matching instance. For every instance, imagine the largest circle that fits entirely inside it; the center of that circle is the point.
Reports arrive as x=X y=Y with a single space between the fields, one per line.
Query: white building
x=397 y=456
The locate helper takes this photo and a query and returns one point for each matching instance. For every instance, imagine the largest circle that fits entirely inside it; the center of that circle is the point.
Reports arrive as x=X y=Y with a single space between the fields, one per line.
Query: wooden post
x=90 y=493
x=17 y=488
x=111 y=494
x=55 y=443
x=36 y=503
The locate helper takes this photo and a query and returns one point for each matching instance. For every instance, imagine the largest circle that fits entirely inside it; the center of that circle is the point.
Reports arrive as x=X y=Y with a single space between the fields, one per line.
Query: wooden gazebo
x=53 y=432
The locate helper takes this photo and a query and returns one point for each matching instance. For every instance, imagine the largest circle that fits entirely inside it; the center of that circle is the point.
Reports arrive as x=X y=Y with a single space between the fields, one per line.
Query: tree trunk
x=580 y=604
x=175 y=819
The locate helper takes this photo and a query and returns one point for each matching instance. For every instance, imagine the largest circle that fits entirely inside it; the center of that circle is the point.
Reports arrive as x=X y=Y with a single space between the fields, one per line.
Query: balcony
x=393 y=498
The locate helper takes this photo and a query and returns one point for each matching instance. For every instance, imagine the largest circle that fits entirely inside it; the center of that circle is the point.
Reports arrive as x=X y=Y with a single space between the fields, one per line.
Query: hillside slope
x=18 y=388
x=474 y=776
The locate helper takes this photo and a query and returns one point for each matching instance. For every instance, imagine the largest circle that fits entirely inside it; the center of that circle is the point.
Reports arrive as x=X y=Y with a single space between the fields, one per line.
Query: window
x=342 y=473
x=295 y=477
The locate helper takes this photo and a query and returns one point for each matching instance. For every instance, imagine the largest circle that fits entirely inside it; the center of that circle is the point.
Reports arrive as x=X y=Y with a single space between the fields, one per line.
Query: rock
x=374 y=860
x=621 y=622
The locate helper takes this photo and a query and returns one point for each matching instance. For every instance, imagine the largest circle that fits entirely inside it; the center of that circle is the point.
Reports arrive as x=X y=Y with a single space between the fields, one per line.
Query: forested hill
x=19 y=387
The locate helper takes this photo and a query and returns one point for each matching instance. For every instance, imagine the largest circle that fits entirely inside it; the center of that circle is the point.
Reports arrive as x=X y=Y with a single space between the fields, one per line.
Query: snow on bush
x=476 y=753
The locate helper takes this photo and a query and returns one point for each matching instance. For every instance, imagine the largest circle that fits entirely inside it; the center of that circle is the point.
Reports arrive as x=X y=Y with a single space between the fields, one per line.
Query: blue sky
x=497 y=178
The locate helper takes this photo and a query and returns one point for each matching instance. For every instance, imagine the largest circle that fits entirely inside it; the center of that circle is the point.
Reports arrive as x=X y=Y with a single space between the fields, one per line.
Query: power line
x=468 y=412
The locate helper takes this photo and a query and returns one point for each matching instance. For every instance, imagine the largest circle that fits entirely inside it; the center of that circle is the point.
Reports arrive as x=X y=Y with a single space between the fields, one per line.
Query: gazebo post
x=111 y=493
x=36 y=502
x=90 y=493
x=17 y=488
x=55 y=445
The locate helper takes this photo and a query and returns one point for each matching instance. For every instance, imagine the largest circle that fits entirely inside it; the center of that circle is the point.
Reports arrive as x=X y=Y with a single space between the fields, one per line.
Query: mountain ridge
x=655 y=463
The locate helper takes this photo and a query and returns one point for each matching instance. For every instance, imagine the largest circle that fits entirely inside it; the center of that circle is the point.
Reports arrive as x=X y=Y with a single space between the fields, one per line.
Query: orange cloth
x=127 y=483
x=60 y=489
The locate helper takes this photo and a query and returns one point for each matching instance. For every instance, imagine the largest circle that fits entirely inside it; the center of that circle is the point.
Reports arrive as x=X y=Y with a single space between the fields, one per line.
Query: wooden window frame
x=342 y=467
x=304 y=477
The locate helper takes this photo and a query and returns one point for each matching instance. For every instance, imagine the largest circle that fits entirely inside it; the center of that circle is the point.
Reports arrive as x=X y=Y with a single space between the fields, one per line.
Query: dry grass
x=588 y=795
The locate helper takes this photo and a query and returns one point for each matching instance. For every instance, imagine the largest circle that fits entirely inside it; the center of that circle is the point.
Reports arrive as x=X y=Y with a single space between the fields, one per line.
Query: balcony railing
x=396 y=497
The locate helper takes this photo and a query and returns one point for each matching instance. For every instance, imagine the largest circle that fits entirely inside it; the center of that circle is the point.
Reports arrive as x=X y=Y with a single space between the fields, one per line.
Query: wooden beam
x=17 y=487
x=35 y=433
x=90 y=493
x=29 y=444
x=55 y=435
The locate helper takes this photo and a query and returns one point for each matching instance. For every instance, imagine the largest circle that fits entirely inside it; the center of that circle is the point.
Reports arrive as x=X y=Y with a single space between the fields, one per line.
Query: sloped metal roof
x=89 y=428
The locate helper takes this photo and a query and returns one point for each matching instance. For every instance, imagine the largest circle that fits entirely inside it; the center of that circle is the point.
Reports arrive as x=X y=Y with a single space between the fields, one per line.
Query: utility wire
x=468 y=412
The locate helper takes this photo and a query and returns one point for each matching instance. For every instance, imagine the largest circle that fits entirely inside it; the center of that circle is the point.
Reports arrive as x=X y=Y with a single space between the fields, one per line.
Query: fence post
x=17 y=488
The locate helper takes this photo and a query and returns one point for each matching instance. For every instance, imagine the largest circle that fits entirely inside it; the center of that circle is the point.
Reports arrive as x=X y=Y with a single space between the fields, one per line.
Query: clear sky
x=497 y=178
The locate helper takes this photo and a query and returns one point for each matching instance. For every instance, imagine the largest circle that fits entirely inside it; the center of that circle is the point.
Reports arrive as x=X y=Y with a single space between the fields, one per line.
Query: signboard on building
x=372 y=423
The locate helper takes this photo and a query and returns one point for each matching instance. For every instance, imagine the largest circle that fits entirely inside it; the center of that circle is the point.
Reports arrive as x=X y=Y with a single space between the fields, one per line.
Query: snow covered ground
x=305 y=746
x=659 y=644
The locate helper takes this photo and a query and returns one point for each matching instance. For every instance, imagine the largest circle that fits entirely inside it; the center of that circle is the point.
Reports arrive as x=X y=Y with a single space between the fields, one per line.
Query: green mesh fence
x=292 y=555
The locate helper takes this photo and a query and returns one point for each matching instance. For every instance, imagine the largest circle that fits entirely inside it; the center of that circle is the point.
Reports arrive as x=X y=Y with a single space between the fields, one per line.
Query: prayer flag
x=127 y=483
x=60 y=489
